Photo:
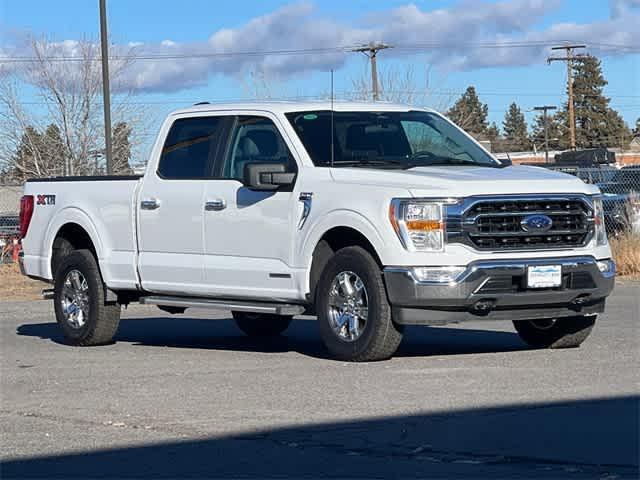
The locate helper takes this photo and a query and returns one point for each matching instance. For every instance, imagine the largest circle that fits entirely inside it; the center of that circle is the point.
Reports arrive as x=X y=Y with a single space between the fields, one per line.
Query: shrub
x=626 y=253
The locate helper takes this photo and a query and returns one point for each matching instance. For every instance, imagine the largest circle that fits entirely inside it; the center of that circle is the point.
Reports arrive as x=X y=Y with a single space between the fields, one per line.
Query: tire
x=62 y=249
x=261 y=324
x=375 y=338
x=98 y=322
x=567 y=332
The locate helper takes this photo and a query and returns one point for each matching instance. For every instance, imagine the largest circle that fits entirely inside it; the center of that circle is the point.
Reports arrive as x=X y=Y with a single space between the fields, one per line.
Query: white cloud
x=451 y=37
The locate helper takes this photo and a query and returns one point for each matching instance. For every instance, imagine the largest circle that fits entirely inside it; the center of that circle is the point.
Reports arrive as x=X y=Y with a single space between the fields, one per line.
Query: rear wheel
x=354 y=314
x=261 y=324
x=566 y=332
x=79 y=301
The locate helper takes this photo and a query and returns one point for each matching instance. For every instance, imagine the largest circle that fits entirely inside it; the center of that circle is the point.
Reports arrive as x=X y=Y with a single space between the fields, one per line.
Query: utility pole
x=371 y=50
x=569 y=58
x=544 y=109
x=104 y=44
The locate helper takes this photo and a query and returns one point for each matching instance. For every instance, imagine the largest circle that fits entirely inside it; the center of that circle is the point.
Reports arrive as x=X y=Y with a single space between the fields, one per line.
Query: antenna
x=331 y=118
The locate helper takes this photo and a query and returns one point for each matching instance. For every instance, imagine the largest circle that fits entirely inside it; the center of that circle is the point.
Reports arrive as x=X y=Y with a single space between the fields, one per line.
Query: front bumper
x=497 y=290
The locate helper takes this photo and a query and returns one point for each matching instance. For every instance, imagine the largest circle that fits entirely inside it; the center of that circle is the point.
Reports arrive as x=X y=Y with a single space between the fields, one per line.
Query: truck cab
x=370 y=216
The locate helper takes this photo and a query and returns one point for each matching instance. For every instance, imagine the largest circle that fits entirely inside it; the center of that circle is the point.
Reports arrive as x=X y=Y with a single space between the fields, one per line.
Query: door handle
x=214 y=205
x=150 y=204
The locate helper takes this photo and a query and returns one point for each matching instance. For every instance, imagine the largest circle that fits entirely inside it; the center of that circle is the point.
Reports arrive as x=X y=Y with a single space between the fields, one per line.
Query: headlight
x=419 y=224
x=598 y=217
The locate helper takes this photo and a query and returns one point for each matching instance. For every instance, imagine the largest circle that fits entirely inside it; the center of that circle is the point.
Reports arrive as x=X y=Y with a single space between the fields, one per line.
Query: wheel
x=261 y=324
x=566 y=332
x=79 y=303
x=354 y=314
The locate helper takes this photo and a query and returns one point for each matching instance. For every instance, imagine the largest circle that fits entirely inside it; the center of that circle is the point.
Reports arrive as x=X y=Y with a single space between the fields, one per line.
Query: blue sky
x=500 y=75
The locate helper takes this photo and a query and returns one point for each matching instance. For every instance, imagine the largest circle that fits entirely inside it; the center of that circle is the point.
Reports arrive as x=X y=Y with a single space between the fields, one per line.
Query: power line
x=313 y=51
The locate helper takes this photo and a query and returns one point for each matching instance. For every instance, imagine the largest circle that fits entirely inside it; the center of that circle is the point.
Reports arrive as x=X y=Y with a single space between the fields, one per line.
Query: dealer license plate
x=544 y=276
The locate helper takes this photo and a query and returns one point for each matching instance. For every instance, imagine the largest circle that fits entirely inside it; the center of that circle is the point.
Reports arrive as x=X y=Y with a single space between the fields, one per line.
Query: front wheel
x=354 y=314
x=261 y=324
x=566 y=332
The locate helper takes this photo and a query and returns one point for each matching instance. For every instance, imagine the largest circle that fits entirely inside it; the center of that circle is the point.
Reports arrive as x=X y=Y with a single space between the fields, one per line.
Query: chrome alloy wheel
x=75 y=299
x=348 y=306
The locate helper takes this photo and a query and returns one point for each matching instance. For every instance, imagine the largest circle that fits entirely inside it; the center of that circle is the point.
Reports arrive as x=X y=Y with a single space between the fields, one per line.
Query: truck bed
x=104 y=206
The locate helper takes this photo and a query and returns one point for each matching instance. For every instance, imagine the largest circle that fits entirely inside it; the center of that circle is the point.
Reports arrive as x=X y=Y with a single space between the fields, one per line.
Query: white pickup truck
x=371 y=216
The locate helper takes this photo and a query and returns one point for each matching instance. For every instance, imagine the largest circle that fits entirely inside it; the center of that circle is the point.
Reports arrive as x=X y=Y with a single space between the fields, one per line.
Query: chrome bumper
x=497 y=290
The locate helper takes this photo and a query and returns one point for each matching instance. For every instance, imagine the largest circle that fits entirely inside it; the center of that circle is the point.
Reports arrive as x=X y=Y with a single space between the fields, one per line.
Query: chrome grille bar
x=494 y=223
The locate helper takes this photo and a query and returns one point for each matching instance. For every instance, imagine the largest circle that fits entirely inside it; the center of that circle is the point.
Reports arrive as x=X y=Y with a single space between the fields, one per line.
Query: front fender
x=337 y=218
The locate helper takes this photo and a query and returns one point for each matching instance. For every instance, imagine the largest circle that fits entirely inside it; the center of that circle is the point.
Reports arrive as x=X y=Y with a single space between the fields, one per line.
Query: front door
x=172 y=206
x=249 y=234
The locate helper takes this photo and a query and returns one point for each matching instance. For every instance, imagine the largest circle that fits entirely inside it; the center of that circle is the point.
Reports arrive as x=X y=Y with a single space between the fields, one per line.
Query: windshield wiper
x=379 y=162
x=435 y=160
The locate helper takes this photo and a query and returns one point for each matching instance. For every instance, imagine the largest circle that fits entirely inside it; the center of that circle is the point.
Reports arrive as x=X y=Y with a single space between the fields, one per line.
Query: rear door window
x=190 y=148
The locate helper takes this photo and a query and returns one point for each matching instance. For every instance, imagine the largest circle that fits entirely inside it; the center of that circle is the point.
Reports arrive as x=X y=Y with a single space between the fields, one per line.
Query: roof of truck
x=299 y=106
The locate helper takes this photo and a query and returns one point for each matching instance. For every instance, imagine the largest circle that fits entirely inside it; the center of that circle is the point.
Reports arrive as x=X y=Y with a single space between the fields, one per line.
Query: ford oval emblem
x=536 y=223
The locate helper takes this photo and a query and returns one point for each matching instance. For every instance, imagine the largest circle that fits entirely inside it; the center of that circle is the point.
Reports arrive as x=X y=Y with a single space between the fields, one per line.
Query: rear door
x=170 y=219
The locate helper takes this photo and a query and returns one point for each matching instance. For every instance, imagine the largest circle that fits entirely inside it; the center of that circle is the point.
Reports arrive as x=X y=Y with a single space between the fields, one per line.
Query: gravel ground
x=188 y=396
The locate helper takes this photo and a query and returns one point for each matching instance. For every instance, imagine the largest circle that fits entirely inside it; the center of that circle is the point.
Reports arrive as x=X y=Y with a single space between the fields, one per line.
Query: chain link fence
x=9 y=222
x=620 y=187
x=621 y=193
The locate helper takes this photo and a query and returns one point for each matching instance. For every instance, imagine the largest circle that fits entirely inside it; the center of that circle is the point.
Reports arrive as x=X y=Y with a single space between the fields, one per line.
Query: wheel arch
x=76 y=227
x=333 y=236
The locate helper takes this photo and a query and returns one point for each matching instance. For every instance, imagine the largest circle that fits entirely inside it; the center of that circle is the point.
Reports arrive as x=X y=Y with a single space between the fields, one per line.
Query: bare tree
x=401 y=85
x=68 y=95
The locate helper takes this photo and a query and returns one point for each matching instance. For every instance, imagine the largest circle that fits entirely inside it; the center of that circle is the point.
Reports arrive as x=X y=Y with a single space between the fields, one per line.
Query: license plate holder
x=544 y=276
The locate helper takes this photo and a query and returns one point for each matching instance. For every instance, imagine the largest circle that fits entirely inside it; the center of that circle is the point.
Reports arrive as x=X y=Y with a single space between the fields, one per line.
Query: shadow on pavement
x=574 y=439
x=302 y=337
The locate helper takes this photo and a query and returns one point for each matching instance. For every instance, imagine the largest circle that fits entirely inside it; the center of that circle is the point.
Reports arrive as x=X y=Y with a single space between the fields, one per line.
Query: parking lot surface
x=188 y=395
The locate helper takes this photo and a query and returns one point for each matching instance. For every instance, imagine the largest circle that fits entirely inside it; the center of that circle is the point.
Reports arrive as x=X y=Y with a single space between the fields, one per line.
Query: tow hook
x=483 y=307
x=581 y=300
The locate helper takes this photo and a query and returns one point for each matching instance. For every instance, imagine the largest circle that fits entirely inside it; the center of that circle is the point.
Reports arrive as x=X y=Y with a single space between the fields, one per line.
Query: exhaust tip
x=47 y=293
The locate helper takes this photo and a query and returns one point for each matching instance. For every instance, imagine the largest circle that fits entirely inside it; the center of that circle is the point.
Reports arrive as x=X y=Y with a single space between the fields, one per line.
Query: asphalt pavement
x=190 y=396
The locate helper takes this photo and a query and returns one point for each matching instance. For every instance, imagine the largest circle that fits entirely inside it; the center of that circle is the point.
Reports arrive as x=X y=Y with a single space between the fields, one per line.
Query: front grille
x=497 y=224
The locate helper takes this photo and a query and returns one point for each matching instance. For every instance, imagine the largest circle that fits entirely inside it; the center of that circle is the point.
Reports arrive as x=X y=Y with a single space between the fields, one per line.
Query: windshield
x=386 y=140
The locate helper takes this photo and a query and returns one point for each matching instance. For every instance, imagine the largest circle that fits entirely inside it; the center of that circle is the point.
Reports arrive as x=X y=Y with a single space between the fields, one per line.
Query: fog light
x=438 y=274
x=607 y=267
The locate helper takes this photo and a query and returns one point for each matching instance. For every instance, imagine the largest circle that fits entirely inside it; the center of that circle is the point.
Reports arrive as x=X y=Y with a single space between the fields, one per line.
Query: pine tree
x=597 y=124
x=493 y=135
x=470 y=113
x=515 y=129
x=121 y=149
x=53 y=150
x=27 y=161
x=556 y=131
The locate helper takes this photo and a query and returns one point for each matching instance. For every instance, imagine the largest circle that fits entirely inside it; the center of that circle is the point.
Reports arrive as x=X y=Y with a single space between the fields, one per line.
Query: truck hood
x=464 y=181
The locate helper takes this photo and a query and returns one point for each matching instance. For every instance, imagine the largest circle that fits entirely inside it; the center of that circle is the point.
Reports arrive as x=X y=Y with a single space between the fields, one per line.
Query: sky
x=500 y=47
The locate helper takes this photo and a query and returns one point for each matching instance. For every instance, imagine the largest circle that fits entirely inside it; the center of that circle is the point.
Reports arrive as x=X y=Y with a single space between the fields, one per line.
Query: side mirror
x=505 y=162
x=267 y=176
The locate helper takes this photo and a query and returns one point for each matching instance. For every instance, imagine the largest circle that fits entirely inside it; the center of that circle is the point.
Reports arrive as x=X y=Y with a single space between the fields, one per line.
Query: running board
x=236 y=305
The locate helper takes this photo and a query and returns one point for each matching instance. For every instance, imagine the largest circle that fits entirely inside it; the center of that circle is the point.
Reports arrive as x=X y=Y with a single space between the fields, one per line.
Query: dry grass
x=15 y=286
x=626 y=253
